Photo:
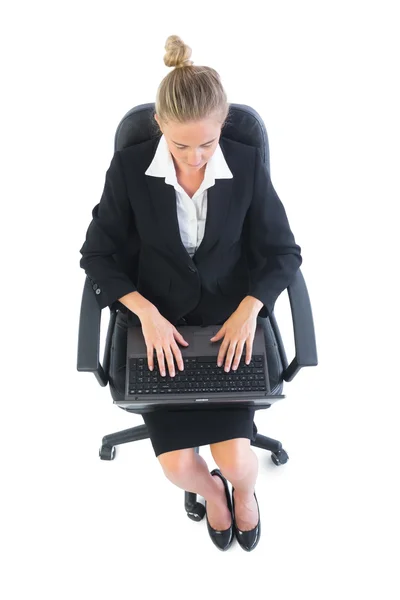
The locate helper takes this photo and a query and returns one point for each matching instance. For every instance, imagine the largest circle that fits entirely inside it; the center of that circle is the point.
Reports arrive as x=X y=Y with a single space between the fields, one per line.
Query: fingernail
x=219 y=363
x=226 y=369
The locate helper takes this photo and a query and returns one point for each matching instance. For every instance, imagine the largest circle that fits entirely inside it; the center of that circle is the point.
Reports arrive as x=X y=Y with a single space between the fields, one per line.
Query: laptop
x=201 y=382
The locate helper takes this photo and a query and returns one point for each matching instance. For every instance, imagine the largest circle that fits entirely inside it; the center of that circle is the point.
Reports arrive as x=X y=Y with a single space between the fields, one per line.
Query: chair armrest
x=303 y=326
x=89 y=337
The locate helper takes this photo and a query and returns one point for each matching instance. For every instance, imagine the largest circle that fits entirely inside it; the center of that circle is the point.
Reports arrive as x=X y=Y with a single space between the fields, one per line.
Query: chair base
x=195 y=510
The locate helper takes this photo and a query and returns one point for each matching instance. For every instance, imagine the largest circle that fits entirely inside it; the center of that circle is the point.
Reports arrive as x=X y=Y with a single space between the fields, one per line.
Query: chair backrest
x=243 y=125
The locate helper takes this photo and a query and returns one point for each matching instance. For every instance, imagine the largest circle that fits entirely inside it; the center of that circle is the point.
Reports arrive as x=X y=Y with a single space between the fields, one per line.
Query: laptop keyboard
x=200 y=375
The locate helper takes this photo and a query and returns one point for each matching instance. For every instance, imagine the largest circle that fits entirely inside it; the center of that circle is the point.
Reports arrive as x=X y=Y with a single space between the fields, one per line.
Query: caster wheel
x=280 y=457
x=107 y=452
x=197 y=513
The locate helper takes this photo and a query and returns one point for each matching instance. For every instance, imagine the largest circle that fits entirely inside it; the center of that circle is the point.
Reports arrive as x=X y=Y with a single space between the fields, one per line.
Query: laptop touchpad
x=202 y=340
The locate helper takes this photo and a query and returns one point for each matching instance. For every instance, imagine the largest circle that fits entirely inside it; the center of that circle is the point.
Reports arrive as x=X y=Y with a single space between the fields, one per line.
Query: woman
x=228 y=273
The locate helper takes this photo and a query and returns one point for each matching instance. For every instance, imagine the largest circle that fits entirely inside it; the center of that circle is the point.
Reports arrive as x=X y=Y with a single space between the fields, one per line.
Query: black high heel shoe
x=221 y=539
x=248 y=540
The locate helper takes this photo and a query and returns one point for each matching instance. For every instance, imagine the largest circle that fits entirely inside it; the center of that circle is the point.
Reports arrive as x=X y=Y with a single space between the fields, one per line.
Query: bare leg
x=239 y=464
x=189 y=471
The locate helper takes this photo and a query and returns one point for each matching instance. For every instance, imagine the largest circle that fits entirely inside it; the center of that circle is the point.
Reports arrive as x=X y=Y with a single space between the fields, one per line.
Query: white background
x=324 y=77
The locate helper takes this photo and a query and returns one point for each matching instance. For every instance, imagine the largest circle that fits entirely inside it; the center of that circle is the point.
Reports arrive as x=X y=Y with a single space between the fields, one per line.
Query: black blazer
x=133 y=242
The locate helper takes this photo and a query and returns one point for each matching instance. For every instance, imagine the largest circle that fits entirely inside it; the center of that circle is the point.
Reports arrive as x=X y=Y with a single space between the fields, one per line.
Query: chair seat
x=118 y=358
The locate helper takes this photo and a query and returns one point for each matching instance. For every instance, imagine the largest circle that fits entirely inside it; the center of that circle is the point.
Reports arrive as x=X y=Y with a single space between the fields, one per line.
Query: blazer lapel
x=163 y=200
x=218 y=202
x=164 y=213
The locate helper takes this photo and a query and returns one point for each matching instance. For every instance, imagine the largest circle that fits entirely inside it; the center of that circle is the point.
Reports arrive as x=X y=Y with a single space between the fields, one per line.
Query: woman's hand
x=237 y=331
x=160 y=335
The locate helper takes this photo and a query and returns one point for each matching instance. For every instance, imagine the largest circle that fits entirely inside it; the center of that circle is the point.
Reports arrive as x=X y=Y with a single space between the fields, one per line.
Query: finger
x=160 y=358
x=238 y=355
x=150 y=357
x=218 y=335
x=229 y=356
x=179 y=337
x=169 y=359
x=178 y=355
x=249 y=349
x=222 y=351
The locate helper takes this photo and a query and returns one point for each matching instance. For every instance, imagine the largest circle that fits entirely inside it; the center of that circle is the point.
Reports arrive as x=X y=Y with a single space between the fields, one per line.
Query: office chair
x=246 y=126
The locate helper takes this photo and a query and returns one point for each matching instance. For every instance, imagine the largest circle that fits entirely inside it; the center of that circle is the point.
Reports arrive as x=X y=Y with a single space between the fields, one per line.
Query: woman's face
x=191 y=144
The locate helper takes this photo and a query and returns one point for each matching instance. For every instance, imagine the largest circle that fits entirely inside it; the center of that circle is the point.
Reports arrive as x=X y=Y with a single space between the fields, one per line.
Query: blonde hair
x=189 y=92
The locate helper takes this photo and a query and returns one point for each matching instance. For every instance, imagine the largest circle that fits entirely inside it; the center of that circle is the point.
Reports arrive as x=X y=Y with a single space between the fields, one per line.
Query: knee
x=178 y=463
x=234 y=458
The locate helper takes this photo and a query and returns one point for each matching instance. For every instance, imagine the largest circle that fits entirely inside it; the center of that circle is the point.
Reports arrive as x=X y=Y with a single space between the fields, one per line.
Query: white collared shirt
x=191 y=212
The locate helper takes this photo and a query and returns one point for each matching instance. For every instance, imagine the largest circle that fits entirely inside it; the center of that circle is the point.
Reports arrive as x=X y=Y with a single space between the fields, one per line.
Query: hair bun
x=177 y=52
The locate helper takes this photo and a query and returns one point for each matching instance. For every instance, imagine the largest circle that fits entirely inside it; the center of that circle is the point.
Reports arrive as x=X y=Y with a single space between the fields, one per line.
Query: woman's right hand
x=160 y=335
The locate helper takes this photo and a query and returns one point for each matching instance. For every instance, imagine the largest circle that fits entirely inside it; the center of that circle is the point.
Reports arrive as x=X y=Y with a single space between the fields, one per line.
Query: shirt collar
x=162 y=165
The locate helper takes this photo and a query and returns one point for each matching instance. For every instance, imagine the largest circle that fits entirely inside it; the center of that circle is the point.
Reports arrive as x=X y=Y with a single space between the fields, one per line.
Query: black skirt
x=175 y=429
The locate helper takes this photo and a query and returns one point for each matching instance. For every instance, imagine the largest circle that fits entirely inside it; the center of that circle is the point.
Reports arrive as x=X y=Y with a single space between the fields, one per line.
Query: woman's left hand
x=237 y=331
